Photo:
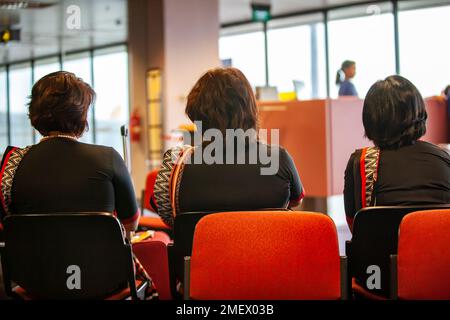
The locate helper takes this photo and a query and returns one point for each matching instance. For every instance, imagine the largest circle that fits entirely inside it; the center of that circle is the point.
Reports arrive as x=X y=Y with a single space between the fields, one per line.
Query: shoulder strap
x=11 y=162
x=165 y=190
x=369 y=162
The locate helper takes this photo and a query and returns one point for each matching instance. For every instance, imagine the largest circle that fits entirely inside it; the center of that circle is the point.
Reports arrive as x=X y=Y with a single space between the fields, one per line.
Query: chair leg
x=5 y=273
x=394 y=277
x=344 y=279
x=172 y=271
x=187 y=278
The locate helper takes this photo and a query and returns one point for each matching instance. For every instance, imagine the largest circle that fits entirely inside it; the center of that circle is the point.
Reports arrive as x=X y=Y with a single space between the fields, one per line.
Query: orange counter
x=321 y=134
x=437 y=123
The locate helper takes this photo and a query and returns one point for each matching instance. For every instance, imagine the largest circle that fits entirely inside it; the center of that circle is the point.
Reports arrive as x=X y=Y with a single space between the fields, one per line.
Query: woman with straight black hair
x=400 y=169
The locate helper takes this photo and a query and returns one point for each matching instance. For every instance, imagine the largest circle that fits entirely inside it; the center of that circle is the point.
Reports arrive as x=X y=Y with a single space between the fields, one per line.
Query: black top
x=417 y=174
x=62 y=175
x=217 y=187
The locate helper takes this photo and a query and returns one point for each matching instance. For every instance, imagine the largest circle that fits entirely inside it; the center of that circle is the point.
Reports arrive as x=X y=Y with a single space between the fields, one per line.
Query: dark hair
x=394 y=113
x=223 y=99
x=447 y=90
x=345 y=65
x=60 y=102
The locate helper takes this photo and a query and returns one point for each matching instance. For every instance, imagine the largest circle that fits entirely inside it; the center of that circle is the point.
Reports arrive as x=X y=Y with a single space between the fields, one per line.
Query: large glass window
x=364 y=34
x=3 y=112
x=80 y=65
x=109 y=68
x=19 y=92
x=44 y=67
x=111 y=86
x=424 y=48
x=297 y=54
x=246 y=52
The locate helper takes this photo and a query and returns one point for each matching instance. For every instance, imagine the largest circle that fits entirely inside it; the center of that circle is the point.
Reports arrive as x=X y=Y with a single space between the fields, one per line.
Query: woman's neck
x=59 y=133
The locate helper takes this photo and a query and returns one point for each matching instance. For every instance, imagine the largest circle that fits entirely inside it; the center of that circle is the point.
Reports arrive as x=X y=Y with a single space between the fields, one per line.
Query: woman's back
x=63 y=175
x=215 y=187
x=416 y=174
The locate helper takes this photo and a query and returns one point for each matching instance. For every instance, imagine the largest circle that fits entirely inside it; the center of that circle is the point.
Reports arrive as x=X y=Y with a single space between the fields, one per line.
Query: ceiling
x=240 y=10
x=44 y=30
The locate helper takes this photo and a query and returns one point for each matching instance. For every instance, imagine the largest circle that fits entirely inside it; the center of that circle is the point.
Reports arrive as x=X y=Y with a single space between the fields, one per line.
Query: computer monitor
x=267 y=93
x=298 y=87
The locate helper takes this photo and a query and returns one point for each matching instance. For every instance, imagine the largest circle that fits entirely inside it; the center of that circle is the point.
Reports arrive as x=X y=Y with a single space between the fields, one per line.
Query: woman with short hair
x=400 y=169
x=222 y=102
x=60 y=174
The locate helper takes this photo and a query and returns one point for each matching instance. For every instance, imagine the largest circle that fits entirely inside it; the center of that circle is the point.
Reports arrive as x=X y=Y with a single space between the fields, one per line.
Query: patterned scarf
x=12 y=160
x=369 y=162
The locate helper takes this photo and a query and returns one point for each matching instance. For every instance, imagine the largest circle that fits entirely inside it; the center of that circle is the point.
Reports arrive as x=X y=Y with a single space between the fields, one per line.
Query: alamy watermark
x=73 y=281
x=236 y=146
x=73 y=21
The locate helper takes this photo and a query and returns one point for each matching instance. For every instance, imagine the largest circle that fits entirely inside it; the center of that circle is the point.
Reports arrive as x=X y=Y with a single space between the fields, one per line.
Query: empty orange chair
x=153 y=255
x=265 y=255
x=423 y=261
x=152 y=221
x=149 y=186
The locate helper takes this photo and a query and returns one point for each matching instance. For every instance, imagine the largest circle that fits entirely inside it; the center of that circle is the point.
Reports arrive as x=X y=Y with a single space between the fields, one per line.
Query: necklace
x=59 y=136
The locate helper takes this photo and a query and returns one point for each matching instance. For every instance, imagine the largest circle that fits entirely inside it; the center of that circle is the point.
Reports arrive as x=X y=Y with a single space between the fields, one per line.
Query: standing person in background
x=446 y=94
x=343 y=79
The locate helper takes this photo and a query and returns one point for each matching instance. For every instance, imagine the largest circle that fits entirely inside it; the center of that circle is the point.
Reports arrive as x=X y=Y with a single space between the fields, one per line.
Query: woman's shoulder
x=356 y=154
x=433 y=149
x=97 y=149
x=13 y=150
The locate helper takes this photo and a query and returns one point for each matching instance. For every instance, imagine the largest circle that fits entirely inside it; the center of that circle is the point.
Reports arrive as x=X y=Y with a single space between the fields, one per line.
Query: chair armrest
x=187 y=278
x=348 y=247
x=344 y=279
x=394 y=277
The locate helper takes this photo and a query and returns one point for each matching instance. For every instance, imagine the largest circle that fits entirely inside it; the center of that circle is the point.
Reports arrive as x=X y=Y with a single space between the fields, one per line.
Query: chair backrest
x=375 y=238
x=423 y=268
x=265 y=255
x=149 y=188
x=183 y=235
x=66 y=256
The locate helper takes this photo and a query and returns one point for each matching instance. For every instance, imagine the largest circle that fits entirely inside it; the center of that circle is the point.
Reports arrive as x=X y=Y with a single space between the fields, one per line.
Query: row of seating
x=295 y=256
x=233 y=255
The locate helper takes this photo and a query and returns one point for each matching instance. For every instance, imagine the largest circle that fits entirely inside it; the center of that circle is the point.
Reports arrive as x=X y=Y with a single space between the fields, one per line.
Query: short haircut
x=59 y=102
x=394 y=113
x=223 y=99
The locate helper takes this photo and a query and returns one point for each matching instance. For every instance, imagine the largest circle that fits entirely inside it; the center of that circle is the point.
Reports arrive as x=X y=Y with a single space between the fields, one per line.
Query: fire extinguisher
x=135 y=126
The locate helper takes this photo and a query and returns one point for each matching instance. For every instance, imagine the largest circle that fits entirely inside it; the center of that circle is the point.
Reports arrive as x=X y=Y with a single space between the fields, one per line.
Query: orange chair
x=265 y=255
x=153 y=255
x=151 y=222
x=149 y=186
x=422 y=265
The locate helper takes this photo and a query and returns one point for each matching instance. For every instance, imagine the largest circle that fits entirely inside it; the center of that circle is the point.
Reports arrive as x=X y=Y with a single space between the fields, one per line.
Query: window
x=108 y=68
x=3 y=112
x=44 y=67
x=246 y=52
x=41 y=69
x=424 y=48
x=368 y=40
x=297 y=53
x=111 y=86
x=22 y=133
x=80 y=65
